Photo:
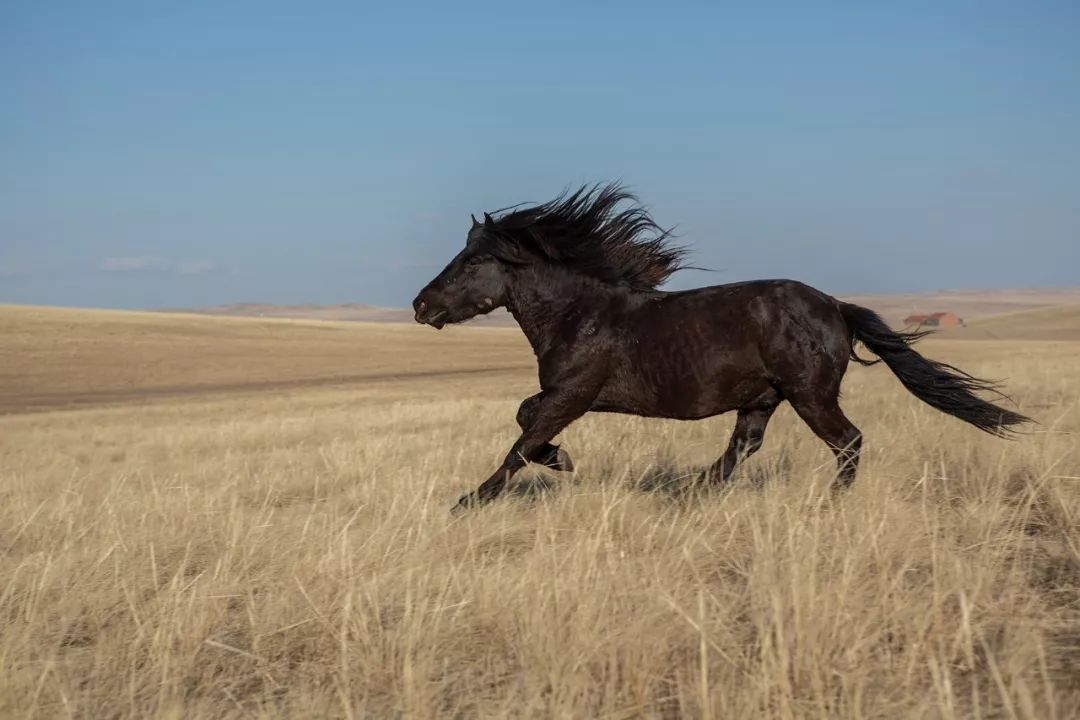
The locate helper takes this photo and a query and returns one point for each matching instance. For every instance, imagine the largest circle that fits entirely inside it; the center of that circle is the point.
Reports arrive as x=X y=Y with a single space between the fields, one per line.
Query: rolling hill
x=968 y=304
x=1051 y=323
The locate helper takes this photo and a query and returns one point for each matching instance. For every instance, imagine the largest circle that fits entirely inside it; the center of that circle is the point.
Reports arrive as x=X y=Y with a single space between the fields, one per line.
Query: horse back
x=696 y=353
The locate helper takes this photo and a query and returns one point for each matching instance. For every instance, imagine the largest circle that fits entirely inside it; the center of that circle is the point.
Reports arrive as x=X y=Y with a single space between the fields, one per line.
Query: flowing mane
x=588 y=232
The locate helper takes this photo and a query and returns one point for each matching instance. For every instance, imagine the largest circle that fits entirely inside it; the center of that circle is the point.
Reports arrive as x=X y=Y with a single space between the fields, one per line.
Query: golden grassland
x=61 y=357
x=245 y=518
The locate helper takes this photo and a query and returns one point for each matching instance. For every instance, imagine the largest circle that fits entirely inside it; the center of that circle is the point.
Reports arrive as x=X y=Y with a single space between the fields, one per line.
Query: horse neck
x=548 y=302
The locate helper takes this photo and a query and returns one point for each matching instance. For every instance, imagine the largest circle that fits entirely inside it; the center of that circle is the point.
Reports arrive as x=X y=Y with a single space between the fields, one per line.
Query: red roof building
x=938 y=319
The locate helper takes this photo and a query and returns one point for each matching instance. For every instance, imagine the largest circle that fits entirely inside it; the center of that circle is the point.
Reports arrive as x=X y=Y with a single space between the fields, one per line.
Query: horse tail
x=939 y=385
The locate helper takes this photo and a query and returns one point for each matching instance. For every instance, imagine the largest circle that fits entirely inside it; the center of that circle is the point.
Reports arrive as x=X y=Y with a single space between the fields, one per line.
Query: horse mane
x=588 y=232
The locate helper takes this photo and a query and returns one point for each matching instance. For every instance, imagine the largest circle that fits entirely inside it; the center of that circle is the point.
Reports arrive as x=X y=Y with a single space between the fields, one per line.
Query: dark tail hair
x=939 y=385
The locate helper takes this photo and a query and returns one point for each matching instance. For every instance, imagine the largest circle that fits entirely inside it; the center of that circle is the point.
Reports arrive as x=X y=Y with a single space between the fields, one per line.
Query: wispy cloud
x=195 y=267
x=151 y=263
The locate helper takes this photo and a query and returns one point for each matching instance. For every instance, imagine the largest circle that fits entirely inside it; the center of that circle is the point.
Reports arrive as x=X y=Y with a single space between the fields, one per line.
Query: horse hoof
x=466 y=502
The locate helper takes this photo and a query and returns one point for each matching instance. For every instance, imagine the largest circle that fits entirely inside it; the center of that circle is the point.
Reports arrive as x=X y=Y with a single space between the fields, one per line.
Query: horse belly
x=682 y=384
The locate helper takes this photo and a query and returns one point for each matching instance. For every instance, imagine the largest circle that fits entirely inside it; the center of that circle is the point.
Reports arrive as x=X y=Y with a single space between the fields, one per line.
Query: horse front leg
x=548 y=455
x=552 y=413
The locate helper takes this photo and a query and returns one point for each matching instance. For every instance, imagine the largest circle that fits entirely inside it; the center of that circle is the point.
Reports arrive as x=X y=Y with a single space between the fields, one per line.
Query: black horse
x=579 y=274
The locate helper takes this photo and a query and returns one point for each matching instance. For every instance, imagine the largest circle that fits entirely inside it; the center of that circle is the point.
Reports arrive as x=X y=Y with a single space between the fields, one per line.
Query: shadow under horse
x=580 y=275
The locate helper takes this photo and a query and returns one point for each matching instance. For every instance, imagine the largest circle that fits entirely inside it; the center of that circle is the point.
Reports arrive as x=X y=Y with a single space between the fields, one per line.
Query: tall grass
x=292 y=554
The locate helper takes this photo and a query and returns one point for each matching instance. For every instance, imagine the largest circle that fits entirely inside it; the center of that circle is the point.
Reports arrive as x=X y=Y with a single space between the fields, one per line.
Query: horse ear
x=488 y=220
x=475 y=222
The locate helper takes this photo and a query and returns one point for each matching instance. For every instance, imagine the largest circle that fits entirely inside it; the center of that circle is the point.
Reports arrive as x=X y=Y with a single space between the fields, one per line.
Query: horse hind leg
x=830 y=424
x=747 y=436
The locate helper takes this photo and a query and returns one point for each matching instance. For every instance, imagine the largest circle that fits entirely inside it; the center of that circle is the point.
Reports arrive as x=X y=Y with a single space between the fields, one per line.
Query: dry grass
x=238 y=552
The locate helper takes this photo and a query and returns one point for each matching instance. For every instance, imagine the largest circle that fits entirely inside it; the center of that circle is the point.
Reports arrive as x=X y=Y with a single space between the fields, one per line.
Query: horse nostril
x=421 y=306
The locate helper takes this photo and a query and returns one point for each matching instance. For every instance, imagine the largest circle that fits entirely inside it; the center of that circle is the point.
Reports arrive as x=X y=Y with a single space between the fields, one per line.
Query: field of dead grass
x=230 y=549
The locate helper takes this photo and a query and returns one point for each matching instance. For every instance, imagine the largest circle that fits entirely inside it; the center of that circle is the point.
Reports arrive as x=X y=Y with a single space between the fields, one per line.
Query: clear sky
x=194 y=153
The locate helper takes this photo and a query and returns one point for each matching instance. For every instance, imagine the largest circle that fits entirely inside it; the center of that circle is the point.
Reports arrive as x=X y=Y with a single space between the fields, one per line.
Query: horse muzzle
x=427 y=315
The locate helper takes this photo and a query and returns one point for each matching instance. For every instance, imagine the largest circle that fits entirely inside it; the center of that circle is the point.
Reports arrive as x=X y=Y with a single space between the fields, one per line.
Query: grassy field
x=209 y=517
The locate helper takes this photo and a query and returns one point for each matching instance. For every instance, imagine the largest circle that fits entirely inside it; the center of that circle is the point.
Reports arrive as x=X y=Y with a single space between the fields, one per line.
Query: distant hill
x=968 y=304
x=1052 y=323
x=349 y=312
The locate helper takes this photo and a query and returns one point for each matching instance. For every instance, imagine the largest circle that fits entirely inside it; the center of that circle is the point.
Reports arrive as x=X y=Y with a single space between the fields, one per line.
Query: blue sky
x=201 y=153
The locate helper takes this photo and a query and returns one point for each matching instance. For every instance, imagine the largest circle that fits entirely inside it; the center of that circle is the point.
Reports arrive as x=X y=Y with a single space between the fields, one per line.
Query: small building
x=938 y=319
